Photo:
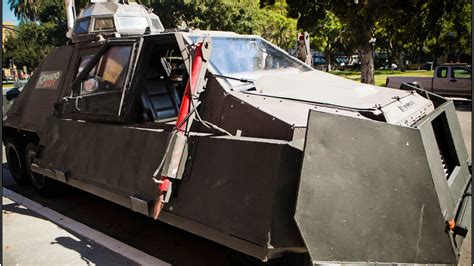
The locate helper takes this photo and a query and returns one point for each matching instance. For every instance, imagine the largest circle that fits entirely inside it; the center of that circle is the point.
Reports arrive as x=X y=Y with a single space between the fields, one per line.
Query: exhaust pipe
x=71 y=16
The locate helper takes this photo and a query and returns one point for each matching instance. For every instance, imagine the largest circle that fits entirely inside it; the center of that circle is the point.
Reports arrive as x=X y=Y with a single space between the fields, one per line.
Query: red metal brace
x=165 y=183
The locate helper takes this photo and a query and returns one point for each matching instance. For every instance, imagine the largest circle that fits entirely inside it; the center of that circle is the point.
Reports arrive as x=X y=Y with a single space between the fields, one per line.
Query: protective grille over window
x=445 y=143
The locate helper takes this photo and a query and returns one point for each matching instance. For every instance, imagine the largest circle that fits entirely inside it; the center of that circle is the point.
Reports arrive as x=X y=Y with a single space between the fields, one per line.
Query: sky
x=7 y=14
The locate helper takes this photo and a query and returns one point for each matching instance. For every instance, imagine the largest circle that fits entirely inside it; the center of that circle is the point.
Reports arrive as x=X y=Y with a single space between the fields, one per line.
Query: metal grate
x=447 y=151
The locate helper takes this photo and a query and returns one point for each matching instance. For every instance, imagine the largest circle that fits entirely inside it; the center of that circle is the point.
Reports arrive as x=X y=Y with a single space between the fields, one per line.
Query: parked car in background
x=319 y=62
x=10 y=94
x=452 y=80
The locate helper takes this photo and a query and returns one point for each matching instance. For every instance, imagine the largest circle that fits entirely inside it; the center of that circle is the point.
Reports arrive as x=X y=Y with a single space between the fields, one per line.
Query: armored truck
x=230 y=138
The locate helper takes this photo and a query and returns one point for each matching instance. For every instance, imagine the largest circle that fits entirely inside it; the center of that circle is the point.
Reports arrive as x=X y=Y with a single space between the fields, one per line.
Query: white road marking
x=83 y=230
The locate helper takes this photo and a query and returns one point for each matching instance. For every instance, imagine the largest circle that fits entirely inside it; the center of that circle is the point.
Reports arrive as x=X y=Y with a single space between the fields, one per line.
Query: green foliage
x=244 y=17
x=226 y=15
x=414 y=30
x=274 y=25
x=31 y=44
x=37 y=34
x=25 y=9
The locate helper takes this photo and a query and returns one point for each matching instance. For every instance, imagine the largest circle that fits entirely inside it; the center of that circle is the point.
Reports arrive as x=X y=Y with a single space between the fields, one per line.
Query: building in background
x=8 y=32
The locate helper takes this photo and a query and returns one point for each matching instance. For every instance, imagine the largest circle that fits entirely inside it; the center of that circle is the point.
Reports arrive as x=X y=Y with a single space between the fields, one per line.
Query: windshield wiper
x=243 y=80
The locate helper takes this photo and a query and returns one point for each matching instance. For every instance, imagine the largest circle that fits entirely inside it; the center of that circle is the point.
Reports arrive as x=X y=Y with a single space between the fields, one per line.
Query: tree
x=227 y=15
x=31 y=44
x=326 y=35
x=37 y=34
x=244 y=17
x=359 y=18
x=25 y=9
x=394 y=37
x=274 y=25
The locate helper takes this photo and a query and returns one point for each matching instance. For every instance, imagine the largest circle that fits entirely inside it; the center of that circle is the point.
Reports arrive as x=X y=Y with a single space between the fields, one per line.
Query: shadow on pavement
x=15 y=208
x=89 y=251
x=92 y=253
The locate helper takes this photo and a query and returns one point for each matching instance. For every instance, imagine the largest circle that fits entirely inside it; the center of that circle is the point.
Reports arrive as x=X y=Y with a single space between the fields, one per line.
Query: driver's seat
x=160 y=98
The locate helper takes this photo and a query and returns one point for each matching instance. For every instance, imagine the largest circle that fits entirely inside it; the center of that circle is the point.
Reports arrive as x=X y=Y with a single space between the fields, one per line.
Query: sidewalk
x=31 y=239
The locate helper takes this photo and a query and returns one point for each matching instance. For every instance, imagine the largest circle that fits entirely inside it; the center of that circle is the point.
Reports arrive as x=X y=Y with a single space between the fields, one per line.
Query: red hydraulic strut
x=165 y=183
x=190 y=89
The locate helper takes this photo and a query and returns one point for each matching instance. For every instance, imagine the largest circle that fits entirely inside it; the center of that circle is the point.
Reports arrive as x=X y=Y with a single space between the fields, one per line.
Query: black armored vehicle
x=230 y=138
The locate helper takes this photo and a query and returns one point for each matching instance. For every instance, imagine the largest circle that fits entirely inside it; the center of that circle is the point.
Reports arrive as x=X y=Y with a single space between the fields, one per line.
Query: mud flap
x=374 y=192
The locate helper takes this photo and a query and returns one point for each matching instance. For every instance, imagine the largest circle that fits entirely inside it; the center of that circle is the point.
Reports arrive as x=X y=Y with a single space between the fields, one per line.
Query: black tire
x=16 y=161
x=45 y=186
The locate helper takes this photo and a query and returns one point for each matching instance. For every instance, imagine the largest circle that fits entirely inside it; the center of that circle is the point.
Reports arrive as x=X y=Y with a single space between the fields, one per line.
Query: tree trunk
x=420 y=51
x=401 y=64
x=366 y=58
x=327 y=56
x=435 y=52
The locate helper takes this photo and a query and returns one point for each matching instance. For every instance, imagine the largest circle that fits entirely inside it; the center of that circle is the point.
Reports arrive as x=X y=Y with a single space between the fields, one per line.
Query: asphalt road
x=158 y=239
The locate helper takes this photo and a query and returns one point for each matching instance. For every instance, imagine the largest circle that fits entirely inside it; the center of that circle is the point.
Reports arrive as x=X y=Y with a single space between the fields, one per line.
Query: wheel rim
x=14 y=161
x=38 y=180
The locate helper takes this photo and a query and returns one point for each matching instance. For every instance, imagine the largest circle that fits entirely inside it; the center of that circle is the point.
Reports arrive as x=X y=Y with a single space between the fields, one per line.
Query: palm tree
x=25 y=9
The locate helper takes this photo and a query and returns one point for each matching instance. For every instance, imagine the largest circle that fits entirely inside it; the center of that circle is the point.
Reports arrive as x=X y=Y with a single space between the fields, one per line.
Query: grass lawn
x=381 y=75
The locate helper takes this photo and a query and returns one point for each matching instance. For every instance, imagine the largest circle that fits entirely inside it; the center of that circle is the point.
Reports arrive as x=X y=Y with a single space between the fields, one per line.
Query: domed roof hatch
x=112 y=18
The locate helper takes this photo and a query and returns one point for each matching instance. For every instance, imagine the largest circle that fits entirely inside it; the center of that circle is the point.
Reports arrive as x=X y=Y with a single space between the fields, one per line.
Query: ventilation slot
x=446 y=149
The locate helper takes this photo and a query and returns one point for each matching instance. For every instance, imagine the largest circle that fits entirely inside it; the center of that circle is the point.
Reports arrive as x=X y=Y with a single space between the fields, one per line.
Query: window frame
x=134 y=93
x=438 y=72
x=100 y=51
x=114 y=26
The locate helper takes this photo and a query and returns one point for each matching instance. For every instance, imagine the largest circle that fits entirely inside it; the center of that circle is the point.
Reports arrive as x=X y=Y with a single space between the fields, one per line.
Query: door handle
x=453 y=80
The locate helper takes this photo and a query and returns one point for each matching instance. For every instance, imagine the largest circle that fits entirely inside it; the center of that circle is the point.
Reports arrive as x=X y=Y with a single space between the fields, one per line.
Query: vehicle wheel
x=45 y=186
x=16 y=161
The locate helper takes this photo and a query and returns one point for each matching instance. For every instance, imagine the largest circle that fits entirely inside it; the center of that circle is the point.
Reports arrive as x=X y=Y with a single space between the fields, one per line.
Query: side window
x=85 y=59
x=108 y=74
x=460 y=73
x=104 y=24
x=442 y=72
x=82 y=26
x=99 y=92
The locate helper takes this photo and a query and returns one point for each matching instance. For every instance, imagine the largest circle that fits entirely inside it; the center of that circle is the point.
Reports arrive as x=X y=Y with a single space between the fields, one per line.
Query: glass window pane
x=104 y=24
x=108 y=74
x=442 y=72
x=82 y=26
x=242 y=55
x=461 y=73
x=133 y=23
x=85 y=59
x=156 y=24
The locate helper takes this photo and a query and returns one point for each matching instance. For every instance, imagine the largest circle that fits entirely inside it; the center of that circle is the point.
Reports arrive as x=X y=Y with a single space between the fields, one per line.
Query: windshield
x=232 y=55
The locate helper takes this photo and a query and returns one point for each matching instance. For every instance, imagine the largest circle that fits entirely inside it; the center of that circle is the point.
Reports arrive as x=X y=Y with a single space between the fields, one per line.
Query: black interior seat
x=160 y=97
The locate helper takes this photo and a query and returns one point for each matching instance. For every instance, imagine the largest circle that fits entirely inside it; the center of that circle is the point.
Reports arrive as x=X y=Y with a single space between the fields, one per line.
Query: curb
x=100 y=238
